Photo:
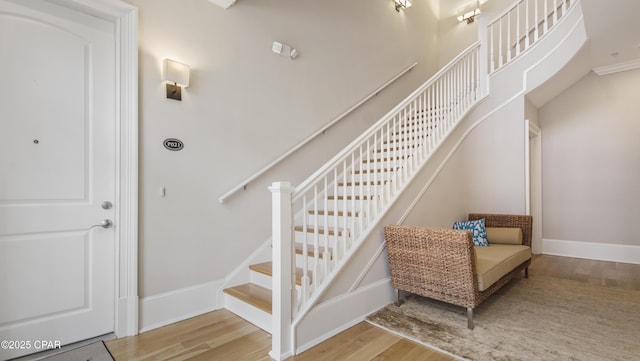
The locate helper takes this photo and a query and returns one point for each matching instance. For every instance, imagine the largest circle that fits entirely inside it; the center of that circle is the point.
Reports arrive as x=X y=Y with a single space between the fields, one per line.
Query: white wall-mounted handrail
x=244 y=183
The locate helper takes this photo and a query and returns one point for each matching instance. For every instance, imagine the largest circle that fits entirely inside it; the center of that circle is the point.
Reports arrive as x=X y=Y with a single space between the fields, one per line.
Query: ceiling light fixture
x=469 y=12
x=402 y=4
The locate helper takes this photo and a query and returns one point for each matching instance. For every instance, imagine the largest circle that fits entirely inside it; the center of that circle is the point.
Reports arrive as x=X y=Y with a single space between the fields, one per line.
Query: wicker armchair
x=441 y=263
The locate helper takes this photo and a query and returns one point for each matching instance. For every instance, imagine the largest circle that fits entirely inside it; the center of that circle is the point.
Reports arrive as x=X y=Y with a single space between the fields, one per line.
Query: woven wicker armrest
x=432 y=262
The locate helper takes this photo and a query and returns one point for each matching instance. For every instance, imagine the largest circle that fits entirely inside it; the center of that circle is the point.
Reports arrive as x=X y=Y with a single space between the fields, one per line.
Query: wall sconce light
x=402 y=4
x=469 y=12
x=176 y=75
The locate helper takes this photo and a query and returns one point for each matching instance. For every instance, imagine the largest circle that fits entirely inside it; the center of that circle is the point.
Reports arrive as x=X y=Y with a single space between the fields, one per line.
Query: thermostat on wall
x=277 y=47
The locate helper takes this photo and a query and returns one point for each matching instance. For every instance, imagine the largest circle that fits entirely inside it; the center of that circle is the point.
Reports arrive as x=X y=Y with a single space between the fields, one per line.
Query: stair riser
x=366 y=190
x=261 y=279
x=300 y=237
x=266 y=281
x=250 y=313
x=331 y=223
x=338 y=205
x=299 y=259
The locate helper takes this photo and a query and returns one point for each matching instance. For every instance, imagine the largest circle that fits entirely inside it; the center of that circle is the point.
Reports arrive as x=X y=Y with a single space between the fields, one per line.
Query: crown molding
x=616 y=68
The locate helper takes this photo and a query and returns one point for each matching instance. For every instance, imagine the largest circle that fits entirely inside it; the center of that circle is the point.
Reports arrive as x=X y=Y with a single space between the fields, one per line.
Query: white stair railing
x=334 y=208
x=520 y=26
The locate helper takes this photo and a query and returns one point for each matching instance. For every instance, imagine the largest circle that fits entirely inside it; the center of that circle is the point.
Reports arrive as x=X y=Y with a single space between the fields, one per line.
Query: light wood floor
x=220 y=335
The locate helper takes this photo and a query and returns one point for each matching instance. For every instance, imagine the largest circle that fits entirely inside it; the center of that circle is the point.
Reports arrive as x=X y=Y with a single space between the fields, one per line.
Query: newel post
x=283 y=289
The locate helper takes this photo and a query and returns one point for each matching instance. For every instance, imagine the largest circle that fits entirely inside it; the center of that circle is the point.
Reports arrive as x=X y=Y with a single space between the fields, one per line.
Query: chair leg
x=470 y=318
x=526 y=272
x=397 y=300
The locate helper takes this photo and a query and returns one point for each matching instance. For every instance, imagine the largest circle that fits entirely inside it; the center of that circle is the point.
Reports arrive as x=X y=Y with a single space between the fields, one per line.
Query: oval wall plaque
x=173 y=144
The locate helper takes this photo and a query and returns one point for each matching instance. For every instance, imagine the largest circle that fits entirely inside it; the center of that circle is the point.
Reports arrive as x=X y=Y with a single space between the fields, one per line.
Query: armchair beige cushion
x=501 y=235
x=497 y=260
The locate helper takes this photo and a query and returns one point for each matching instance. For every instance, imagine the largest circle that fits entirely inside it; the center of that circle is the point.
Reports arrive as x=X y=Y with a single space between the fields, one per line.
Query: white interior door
x=57 y=168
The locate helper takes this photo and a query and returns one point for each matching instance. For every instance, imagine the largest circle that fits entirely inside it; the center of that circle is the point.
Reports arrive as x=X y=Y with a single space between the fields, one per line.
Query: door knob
x=107 y=223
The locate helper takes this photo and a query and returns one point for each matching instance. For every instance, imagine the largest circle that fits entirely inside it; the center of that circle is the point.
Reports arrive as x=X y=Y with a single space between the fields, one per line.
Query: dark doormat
x=96 y=351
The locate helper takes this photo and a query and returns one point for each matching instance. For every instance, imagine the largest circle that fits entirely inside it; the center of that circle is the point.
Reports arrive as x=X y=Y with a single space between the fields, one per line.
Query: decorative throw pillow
x=477 y=229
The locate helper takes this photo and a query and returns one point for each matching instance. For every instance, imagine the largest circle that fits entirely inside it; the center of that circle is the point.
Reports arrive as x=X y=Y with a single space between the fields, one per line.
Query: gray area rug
x=529 y=319
x=96 y=351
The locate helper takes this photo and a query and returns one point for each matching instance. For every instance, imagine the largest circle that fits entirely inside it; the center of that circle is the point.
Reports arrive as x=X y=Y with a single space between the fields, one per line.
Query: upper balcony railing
x=520 y=26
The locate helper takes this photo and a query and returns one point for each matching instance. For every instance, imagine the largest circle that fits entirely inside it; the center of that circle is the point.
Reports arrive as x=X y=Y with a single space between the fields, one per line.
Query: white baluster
x=361 y=189
x=546 y=16
x=411 y=140
x=500 y=51
x=325 y=205
x=353 y=200
x=424 y=140
x=527 y=29
x=490 y=38
x=370 y=207
x=536 y=21
x=509 y=53
x=336 y=221
x=316 y=240
x=406 y=144
x=345 y=210
x=305 y=252
x=518 y=25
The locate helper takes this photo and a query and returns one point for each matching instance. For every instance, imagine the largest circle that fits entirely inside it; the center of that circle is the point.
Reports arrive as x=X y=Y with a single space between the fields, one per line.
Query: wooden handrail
x=244 y=183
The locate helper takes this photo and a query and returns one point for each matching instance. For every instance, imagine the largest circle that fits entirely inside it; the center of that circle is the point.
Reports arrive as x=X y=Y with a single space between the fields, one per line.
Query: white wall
x=245 y=106
x=485 y=174
x=591 y=161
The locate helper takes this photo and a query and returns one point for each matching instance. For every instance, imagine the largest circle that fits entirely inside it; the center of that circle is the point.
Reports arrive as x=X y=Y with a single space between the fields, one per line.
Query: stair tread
x=333 y=213
x=266 y=268
x=252 y=294
x=386 y=159
x=365 y=197
x=321 y=230
x=365 y=183
x=415 y=137
x=376 y=170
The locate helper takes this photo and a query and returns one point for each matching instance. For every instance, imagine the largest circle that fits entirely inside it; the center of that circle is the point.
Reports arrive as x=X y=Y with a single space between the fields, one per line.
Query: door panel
x=27 y=302
x=57 y=128
x=47 y=124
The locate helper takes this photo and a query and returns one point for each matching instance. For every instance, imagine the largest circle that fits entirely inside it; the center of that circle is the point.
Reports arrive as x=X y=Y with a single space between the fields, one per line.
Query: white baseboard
x=340 y=313
x=589 y=250
x=170 y=307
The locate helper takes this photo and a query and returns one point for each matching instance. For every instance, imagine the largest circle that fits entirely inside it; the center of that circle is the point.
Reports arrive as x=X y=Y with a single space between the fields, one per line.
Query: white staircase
x=320 y=224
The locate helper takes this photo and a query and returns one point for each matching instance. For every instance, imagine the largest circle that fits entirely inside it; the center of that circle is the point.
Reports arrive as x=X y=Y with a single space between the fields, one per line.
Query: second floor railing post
x=283 y=277
x=483 y=56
